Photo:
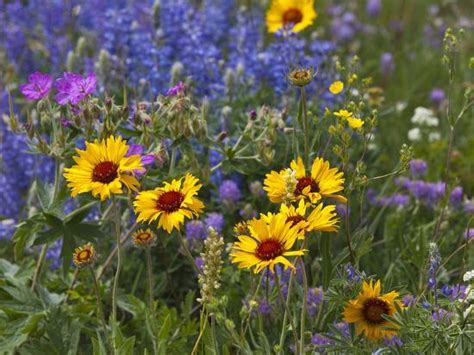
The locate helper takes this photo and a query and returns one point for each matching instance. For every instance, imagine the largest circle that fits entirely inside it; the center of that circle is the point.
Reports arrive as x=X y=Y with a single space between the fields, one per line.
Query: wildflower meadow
x=236 y=177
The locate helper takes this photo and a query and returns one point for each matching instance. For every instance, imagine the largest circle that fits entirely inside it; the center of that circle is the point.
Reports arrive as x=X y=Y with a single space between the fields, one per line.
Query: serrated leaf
x=49 y=236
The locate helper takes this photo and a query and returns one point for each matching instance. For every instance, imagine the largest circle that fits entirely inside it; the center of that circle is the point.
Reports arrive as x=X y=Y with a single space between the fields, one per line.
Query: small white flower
x=414 y=134
x=424 y=117
x=401 y=106
x=468 y=276
x=434 y=136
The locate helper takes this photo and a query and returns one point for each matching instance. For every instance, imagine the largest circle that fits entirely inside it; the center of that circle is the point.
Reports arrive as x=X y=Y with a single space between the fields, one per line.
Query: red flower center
x=373 y=310
x=269 y=249
x=292 y=16
x=84 y=255
x=303 y=183
x=105 y=172
x=144 y=237
x=295 y=220
x=170 y=201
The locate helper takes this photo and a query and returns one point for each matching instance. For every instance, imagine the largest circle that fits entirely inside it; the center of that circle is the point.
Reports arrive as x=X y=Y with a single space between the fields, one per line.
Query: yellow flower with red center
x=84 y=255
x=368 y=309
x=268 y=243
x=294 y=184
x=170 y=204
x=103 y=169
x=293 y=14
x=143 y=238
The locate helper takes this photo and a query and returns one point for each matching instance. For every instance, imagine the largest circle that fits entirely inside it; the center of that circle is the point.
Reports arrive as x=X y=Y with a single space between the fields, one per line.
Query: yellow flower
x=170 y=204
x=344 y=114
x=143 y=238
x=294 y=184
x=367 y=309
x=241 y=228
x=355 y=123
x=298 y=13
x=336 y=87
x=84 y=255
x=269 y=242
x=103 y=168
x=322 y=218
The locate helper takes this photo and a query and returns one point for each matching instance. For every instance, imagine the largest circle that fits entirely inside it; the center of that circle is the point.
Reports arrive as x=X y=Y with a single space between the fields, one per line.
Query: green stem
x=305 y=126
x=39 y=264
x=287 y=314
x=172 y=161
x=100 y=310
x=119 y=259
x=303 y=307
x=150 y=296
x=188 y=252
x=203 y=323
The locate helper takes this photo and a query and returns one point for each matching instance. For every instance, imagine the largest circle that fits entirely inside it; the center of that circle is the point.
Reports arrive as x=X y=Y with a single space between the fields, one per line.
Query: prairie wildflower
x=103 y=169
x=144 y=238
x=293 y=14
x=368 y=309
x=38 y=86
x=84 y=255
x=322 y=181
x=336 y=87
x=269 y=243
x=170 y=204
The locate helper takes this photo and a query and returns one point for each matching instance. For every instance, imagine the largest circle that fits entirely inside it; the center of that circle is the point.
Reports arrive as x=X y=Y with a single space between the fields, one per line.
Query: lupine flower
x=468 y=207
x=7 y=228
x=314 y=299
x=455 y=198
x=53 y=254
x=373 y=7
x=264 y=308
x=454 y=292
x=393 y=341
x=215 y=220
x=441 y=315
x=434 y=263
x=352 y=274
x=38 y=86
x=229 y=191
x=418 y=167
x=469 y=234
x=73 y=88
x=387 y=64
x=319 y=340
x=437 y=96
x=408 y=300
x=195 y=231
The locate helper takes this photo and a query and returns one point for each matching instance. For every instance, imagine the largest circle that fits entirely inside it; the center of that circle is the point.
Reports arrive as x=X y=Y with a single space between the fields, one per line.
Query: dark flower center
x=170 y=201
x=292 y=16
x=84 y=255
x=269 y=249
x=373 y=310
x=303 y=183
x=144 y=237
x=105 y=172
x=295 y=220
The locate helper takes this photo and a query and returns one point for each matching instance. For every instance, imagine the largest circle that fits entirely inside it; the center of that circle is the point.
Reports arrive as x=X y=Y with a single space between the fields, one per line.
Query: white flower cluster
x=468 y=276
x=423 y=118
x=209 y=278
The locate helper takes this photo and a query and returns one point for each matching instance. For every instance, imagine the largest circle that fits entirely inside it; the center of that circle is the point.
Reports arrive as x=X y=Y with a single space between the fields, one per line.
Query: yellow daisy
x=344 y=114
x=269 y=242
x=367 y=309
x=143 y=238
x=84 y=255
x=170 y=204
x=103 y=168
x=296 y=13
x=336 y=87
x=294 y=184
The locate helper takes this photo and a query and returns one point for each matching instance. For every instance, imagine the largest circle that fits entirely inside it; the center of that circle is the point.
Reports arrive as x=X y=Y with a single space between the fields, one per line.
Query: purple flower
x=229 y=191
x=441 y=315
x=215 y=220
x=437 y=96
x=455 y=292
x=455 y=198
x=73 y=88
x=177 y=89
x=146 y=159
x=408 y=300
x=418 y=167
x=264 y=307
x=387 y=65
x=134 y=149
x=65 y=122
x=319 y=341
x=343 y=327
x=469 y=234
x=469 y=207
x=313 y=300
x=352 y=273
x=195 y=231
x=393 y=341
x=373 y=7
x=38 y=86
x=199 y=263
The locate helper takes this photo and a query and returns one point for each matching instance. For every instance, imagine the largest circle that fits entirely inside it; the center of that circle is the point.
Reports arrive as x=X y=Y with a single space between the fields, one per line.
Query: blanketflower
x=269 y=242
x=298 y=14
x=336 y=87
x=38 y=86
x=103 y=169
x=73 y=88
x=170 y=204
x=294 y=183
x=368 y=309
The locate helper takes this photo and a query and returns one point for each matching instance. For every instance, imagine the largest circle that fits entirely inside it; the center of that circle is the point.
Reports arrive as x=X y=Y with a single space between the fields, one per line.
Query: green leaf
x=49 y=236
x=67 y=249
x=127 y=347
x=85 y=231
x=79 y=214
